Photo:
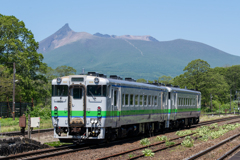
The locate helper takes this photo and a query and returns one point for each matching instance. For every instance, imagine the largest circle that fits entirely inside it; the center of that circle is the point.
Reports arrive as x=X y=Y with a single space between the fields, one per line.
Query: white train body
x=86 y=107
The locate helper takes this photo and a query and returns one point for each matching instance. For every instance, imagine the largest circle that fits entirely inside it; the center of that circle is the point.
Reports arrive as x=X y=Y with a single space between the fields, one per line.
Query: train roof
x=132 y=82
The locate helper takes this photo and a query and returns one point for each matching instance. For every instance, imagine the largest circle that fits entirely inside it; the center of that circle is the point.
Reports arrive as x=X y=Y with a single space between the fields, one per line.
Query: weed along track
x=204 y=152
x=181 y=138
x=186 y=139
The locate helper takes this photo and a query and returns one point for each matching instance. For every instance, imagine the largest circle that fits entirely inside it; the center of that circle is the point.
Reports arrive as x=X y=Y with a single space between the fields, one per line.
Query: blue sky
x=215 y=22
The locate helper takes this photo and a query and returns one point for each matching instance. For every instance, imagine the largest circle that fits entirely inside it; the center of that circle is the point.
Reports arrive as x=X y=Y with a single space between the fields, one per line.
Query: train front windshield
x=97 y=90
x=59 y=90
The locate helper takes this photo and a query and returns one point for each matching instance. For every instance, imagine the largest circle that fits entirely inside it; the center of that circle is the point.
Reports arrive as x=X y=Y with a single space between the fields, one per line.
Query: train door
x=76 y=106
x=116 y=105
x=174 y=104
x=109 y=103
x=161 y=105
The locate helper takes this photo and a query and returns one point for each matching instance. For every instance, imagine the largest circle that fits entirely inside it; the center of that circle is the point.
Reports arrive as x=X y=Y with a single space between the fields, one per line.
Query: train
x=91 y=107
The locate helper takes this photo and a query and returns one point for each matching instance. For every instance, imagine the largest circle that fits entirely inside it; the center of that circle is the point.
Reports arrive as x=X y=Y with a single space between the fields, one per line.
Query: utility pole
x=14 y=71
x=230 y=100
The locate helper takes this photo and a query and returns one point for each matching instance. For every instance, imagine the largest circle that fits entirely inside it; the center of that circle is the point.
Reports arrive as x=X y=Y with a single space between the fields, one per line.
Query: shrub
x=183 y=133
x=168 y=143
x=163 y=138
x=187 y=142
x=42 y=112
x=145 y=142
x=148 y=153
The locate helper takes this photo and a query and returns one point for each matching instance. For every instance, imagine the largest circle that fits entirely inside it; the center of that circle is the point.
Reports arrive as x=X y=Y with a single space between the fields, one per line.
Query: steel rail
x=125 y=152
x=67 y=149
x=42 y=151
x=20 y=133
x=229 y=152
x=211 y=148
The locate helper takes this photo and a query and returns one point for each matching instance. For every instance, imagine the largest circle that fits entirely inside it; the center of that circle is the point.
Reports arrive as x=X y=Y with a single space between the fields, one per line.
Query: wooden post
x=29 y=125
x=20 y=107
x=9 y=109
x=32 y=104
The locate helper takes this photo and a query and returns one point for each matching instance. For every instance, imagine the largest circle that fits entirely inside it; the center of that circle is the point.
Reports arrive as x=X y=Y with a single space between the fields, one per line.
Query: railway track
x=204 y=152
x=162 y=142
x=46 y=152
x=229 y=152
x=15 y=133
x=38 y=154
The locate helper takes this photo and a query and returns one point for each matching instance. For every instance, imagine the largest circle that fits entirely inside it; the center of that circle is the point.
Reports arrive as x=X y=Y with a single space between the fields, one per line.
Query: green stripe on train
x=125 y=112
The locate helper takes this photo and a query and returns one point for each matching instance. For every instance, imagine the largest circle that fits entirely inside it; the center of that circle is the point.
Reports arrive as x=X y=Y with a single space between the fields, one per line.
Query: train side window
x=166 y=100
x=155 y=101
x=145 y=100
x=163 y=98
x=141 y=100
x=149 y=100
x=131 y=99
x=123 y=100
x=126 y=99
x=115 y=98
x=136 y=100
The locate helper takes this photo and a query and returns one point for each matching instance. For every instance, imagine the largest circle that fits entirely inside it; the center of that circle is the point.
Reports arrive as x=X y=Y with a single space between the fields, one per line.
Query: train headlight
x=92 y=121
x=96 y=80
x=95 y=121
x=59 y=80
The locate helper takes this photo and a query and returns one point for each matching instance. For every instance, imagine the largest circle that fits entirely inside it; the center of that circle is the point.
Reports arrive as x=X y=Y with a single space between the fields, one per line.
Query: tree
x=64 y=71
x=193 y=74
x=215 y=84
x=141 y=80
x=17 y=45
x=165 y=79
x=232 y=77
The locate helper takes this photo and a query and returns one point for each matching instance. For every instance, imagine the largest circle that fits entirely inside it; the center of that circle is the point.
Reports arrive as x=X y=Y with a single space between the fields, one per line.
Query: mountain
x=127 y=56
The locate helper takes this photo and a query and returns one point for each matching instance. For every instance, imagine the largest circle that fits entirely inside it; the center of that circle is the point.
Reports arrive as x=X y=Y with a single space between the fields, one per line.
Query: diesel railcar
x=93 y=107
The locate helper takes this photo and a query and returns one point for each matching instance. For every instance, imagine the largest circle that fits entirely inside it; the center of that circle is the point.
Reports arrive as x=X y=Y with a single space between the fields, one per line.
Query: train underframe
x=111 y=134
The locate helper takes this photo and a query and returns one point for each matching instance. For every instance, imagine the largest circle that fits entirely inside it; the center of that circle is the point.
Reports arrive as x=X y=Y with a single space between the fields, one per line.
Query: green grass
x=55 y=144
x=8 y=125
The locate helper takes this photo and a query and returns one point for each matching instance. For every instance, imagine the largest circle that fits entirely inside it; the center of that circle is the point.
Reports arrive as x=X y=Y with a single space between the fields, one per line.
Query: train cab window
x=131 y=99
x=136 y=100
x=145 y=100
x=104 y=91
x=59 y=90
x=77 y=93
x=126 y=99
x=149 y=100
x=96 y=90
x=140 y=100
